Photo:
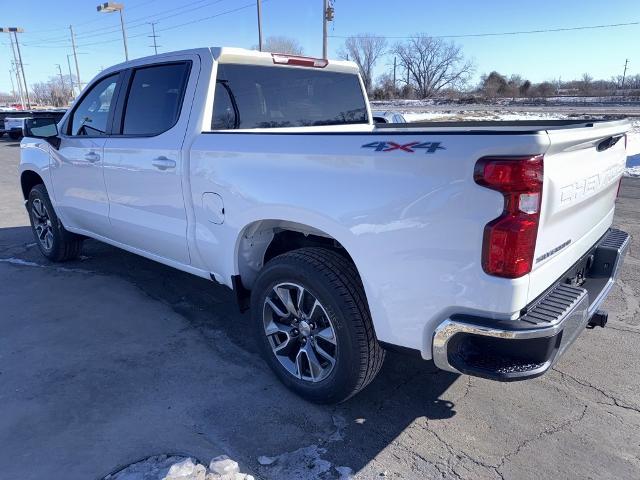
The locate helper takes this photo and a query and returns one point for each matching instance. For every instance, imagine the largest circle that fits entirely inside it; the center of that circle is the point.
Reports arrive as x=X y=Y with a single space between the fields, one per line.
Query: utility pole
x=14 y=64
x=624 y=75
x=62 y=82
x=73 y=92
x=154 y=36
x=75 y=57
x=18 y=81
x=60 y=74
x=394 y=73
x=24 y=79
x=13 y=87
x=325 y=20
x=259 y=7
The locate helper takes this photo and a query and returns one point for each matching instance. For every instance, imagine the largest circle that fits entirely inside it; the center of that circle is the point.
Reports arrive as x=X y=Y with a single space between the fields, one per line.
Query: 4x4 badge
x=411 y=147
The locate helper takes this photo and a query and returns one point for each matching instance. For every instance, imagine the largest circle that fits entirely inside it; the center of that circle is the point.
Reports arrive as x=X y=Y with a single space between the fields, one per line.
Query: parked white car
x=485 y=246
x=14 y=127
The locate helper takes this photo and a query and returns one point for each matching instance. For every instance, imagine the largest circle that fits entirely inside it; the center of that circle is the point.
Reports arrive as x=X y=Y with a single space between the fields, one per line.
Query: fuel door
x=214 y=207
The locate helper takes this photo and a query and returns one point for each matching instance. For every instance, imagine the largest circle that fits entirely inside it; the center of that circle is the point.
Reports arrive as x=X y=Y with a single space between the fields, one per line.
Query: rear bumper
x=508 y=350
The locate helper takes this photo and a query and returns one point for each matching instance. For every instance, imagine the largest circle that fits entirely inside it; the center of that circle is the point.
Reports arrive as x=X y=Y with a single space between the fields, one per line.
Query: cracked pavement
x=112 y=358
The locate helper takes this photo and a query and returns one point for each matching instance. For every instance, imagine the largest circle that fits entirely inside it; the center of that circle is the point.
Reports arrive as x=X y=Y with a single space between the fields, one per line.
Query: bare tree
x=280 y=44
x=364 y=49
x=433 y=64
x=585 y=84
x=54 y=92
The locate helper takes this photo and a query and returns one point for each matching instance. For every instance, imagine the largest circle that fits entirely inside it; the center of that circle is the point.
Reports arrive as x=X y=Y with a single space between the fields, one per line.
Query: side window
x=224 y=108
x=155 y=98
x=91 y=115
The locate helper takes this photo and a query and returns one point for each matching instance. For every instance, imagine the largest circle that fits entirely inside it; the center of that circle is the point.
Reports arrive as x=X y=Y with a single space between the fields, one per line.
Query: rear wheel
x=55 y=243
x=15 y=135
x=313 y=325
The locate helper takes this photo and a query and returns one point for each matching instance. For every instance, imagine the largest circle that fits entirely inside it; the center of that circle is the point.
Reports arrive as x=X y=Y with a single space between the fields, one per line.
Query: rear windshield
x=250 y=96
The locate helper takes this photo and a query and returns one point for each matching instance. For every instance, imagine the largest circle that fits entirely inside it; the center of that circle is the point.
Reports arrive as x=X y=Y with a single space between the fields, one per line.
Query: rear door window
x=155 y=99
x=249 y=96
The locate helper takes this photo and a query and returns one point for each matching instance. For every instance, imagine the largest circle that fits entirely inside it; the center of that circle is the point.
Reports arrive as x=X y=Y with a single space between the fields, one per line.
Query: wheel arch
x=28 y=180
x=262 y=240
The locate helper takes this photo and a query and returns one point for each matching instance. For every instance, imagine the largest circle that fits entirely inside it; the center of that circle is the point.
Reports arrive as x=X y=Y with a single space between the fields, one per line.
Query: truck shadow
x=407 y=389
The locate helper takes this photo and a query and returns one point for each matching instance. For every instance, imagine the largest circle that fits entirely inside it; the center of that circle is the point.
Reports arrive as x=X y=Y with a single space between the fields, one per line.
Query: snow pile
x=164 y=467
x=306 y=463
x=633 y=150
x=477 y=115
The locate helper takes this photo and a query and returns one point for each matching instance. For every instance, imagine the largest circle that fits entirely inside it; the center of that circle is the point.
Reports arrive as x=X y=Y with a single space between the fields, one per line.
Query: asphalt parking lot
x=113 y=358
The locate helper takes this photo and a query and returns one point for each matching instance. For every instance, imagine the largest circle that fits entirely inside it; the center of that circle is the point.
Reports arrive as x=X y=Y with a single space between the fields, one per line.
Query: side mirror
x=43 y=127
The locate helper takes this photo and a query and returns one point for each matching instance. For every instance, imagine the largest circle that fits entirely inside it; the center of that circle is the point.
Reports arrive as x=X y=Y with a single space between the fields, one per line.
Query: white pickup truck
x=484 y=246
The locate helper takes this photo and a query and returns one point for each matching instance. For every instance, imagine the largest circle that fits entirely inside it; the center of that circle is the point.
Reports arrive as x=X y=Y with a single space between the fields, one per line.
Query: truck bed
x=506 y=127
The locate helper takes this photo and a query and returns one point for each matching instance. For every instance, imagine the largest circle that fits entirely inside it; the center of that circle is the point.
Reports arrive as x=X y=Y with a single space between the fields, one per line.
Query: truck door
x=144 y=162
x=77 y=166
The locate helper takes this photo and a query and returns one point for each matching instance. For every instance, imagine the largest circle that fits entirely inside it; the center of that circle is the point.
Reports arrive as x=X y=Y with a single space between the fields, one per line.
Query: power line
x=93 y=20
x=135 y=23
x=171 y=27
x=523 y=32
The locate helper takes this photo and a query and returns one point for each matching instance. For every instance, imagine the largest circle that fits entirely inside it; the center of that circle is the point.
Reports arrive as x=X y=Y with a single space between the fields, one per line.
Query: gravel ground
x=113 y=358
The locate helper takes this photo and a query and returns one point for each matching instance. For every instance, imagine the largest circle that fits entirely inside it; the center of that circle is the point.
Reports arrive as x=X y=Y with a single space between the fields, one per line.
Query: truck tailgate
x=582 y=170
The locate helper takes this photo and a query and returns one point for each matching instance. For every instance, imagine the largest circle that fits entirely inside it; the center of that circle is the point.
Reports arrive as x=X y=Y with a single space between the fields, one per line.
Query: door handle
x=163 y=163
x=93 y=157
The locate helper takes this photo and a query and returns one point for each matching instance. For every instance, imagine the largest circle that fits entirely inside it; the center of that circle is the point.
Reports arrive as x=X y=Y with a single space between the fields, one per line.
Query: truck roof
x=236 y=55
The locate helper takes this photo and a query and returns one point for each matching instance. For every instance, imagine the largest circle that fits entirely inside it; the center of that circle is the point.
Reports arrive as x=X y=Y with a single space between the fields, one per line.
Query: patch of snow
x=633 y=151
x=27 y=263
x=165 y=467
x=345 y=473
x=19 y=261
x=471 y=115
x=340 y=423
x=187 y=469
x=223 y=465
x=306 y=463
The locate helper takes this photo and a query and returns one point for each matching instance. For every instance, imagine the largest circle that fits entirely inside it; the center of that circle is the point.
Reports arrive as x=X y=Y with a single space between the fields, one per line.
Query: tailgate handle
x=608 y=143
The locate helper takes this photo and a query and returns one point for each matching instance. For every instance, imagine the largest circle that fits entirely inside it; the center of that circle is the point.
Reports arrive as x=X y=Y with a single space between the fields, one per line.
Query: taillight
x=510 y=240
x=299 y=61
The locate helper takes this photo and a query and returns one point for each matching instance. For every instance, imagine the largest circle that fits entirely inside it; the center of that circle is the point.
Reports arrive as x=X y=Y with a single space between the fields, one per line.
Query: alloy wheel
x=42 y=224
x=300 y=332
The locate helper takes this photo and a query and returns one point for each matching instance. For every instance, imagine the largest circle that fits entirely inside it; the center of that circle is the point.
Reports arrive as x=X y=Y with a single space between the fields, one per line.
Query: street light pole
x=110 y=7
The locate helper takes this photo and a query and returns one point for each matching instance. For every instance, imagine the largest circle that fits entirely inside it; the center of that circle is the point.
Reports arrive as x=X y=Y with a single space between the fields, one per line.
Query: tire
x=15 y=135
x=54 y=242
x=333 y=281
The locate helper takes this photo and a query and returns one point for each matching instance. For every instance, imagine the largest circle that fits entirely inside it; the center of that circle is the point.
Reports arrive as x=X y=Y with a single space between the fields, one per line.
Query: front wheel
x=313 y=325
x=54 y=242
